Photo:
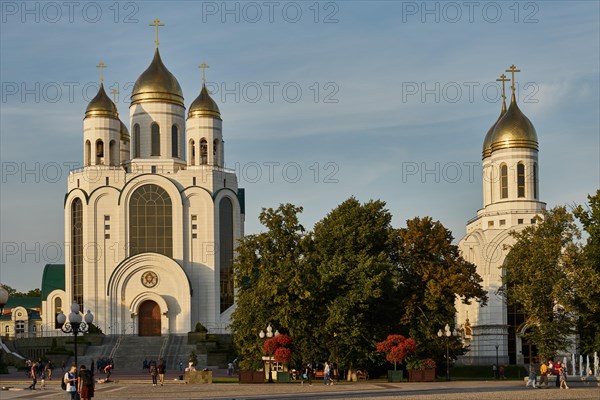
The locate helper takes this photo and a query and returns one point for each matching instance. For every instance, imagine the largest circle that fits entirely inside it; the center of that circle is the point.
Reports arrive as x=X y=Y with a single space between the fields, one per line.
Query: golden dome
x=487 y=142
x=204 y=106
x=124 y=132
x=101 y=106
x=157 y=84
x=514 y=130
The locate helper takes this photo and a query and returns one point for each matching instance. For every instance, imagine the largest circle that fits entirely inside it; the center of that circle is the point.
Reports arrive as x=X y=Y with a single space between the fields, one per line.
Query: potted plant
x=277 y=348
x=397 y=348
x=421 y=370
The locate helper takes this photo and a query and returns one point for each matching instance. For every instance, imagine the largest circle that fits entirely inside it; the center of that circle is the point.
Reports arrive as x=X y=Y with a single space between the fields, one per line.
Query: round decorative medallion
x=19 y=314
x=149 y=279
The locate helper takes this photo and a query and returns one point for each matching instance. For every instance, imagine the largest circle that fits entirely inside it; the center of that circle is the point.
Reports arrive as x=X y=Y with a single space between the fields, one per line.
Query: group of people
x=546 y=370
x=39 y=369
x=80 y=383
x=156 y=370
x=328 y=373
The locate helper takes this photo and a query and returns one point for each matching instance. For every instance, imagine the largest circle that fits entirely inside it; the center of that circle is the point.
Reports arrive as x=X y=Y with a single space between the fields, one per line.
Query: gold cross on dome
x=100 y=66
x=503 y=79
x=203 y=66
x=512 y=69
x=114 y=92
x=156 y=23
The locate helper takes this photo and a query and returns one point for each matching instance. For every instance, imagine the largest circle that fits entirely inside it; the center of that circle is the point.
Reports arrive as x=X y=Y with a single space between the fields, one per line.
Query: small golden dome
x=204 y=106
x=101 y=106
x=157 y=84
x=514 y=130
x=124 y=132
x=487 y=142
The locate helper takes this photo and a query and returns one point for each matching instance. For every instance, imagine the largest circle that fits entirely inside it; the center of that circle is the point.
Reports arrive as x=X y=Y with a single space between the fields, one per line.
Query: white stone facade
x=186 y=284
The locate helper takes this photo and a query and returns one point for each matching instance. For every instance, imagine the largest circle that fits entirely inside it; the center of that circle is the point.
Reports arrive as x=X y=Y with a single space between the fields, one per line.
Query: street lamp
x=269 y=335
x=75 y=324
x=497 y=366
x=447 y=333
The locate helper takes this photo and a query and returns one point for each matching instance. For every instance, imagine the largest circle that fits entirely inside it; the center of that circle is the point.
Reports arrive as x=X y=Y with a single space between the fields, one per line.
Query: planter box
x=421 y=375
x=395 y=376
x=195 y=337
x=247 y=376
x=198 y=377
x=283 y=377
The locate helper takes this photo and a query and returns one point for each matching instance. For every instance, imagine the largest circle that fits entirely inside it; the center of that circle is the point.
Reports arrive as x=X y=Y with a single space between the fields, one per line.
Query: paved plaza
x=138 y=386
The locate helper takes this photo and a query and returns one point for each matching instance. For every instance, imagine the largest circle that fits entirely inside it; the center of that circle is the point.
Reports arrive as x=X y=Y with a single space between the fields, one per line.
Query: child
x=43 y=377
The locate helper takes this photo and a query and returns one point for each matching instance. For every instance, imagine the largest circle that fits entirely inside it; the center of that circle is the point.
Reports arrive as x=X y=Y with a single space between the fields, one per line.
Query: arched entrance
x=149 y=319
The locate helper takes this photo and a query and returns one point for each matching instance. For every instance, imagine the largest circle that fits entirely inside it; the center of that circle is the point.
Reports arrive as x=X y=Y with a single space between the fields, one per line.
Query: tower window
x=503 y=181
x=88 y=152
x=203 y=152
x=174 y=141
x=155 y=139
x=99 y=152
x=520 y=180
x=136 y=141
x=77 y=250
x=216 y=152
x=192 y=150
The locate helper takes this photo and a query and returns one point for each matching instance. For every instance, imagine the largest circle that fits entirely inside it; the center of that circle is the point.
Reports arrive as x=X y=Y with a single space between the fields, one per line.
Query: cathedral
x=152 y=218
x=511 y=202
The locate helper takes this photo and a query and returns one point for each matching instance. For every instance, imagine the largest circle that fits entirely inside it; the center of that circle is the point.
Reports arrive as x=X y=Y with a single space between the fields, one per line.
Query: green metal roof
x=26 y=302
x=53 y=278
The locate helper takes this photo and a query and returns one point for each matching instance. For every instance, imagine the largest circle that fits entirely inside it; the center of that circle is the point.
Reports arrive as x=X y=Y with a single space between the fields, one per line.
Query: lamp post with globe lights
x=269 y=335
x=447 y=333
x=76 y=324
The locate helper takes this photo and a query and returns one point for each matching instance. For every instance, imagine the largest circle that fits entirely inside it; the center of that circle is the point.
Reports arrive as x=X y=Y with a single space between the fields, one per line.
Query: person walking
x=85 y=383
x=161 y=368
x=532 y=377
x=71 y=382
x=563 y=377
x=33 y=374
x=153 y=372
x=49 y=368
x=326 y=371
x=544 y=374
x=556 y=371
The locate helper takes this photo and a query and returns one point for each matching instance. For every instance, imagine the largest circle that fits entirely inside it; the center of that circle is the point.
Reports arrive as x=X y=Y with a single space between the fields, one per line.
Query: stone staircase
x=128 y=352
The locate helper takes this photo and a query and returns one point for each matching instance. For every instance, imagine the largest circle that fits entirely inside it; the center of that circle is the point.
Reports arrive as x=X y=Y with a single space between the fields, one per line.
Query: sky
x=320 y=101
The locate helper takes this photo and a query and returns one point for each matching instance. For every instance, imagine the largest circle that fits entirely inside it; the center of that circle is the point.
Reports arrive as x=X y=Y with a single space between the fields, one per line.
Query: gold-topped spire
x=100 y=66
x=503 y=79
x=156 y=23
x=203 y=66
x=114 y=92
x=512 y=69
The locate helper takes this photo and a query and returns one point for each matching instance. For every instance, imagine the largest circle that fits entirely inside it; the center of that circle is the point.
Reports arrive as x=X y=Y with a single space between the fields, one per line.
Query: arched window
x=520 y=180
x=155 y=139
x=192 y=151
x=535 y=181
x=226 y=252
x=150 y=221
x=503 y=181
x=99 y=152
x=216 y=152
x=77 y=250
x=203 y=151
x=174 y=141
x=112 y=152
x=88 y=153
x=57 y=310
x=136 y=141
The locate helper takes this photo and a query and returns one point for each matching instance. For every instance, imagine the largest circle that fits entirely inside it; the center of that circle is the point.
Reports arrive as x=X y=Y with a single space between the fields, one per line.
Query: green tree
x=589 y=321
x=431 y=274
x=274 y=286
x=547 y=277
x=354 y=253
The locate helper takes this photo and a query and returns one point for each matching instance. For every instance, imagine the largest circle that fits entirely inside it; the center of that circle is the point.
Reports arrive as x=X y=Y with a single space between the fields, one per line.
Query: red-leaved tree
x=397 y=348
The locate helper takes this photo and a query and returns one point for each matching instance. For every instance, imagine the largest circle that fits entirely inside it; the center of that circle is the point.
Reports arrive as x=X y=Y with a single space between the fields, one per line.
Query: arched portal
x=149 y=319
